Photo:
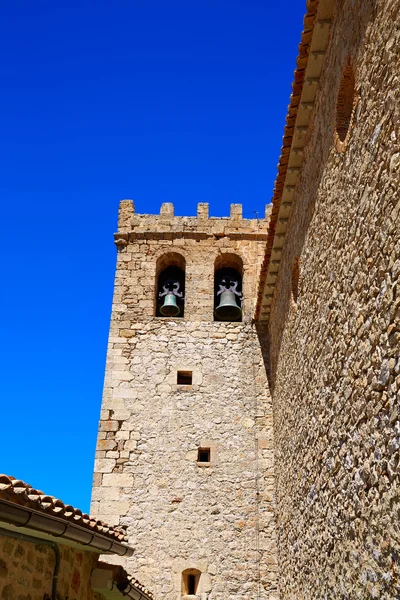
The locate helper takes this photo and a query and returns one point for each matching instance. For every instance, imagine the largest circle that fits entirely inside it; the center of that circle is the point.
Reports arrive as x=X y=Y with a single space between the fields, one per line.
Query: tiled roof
x=21 y=493
x=139 y=586
x=125 y=583
x=312 y=47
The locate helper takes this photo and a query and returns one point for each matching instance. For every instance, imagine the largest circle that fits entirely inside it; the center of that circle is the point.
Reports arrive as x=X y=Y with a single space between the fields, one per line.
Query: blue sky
x=157 y=101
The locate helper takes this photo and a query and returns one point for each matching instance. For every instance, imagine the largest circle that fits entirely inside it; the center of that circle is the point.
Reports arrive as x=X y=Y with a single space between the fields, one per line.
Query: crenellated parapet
x=132 y=225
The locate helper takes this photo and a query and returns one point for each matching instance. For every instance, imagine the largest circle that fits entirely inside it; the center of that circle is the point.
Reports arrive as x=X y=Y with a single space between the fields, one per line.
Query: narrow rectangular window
x=190 y=582
x=203 y=455
x=184 y=378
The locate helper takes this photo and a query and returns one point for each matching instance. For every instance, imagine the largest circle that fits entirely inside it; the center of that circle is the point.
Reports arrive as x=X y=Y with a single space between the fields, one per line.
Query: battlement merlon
x=132 y=225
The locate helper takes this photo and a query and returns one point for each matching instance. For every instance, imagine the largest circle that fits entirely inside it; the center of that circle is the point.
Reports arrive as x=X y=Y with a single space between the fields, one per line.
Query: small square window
x=184 y=378
x=203 y=455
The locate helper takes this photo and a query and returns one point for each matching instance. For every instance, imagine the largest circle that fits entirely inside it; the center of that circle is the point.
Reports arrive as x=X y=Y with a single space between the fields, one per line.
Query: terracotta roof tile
x=139 y=586
x=19 y=492
x=121 y=576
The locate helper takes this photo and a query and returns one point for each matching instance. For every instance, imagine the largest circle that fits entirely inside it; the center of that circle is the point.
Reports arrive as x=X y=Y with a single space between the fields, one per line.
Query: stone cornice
x=122 y=239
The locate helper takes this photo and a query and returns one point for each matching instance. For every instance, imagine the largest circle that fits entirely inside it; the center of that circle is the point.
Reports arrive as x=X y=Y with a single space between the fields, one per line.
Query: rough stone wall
x=335 y=366
x=219 y=518
x=26 y=572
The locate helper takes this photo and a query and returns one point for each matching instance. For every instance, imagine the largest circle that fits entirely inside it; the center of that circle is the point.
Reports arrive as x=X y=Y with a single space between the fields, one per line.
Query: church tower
x=184 y=458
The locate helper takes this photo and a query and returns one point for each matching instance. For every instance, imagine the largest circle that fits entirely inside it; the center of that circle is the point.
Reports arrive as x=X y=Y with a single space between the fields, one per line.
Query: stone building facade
x=185 y=450
x=334 y=325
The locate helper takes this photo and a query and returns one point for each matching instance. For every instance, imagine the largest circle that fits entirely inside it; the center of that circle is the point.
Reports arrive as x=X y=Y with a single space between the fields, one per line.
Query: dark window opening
x=191 y=585
x=184 y=378
x=170 y=296
x=203 y=455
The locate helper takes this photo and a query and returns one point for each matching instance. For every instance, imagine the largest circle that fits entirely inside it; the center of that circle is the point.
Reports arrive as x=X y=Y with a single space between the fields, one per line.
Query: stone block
x=114 y=507
x=104 y=465
x=108 y=425
x=130 y=445
x=123 y=480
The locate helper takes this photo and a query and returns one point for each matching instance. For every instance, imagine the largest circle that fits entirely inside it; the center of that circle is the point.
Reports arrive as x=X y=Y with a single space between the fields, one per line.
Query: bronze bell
x=227 y=309
x=170 y=307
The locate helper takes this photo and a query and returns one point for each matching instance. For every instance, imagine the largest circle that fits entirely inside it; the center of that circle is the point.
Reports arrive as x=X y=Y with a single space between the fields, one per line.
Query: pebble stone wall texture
x=335 y=366
x=26 y=572
x=218 y=519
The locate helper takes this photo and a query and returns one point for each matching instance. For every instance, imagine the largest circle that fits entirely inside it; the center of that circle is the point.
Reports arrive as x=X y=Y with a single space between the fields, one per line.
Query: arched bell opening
x=190 y=582
x=170 y=288
x=228 y=288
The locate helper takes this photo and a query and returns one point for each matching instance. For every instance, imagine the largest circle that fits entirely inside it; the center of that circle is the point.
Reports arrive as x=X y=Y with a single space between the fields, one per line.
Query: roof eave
x=112 y=582
x=312 y=49
x=22 y=516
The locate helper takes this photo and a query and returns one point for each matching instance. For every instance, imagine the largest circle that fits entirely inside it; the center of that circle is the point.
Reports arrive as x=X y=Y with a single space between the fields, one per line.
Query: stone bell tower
x=184 y=455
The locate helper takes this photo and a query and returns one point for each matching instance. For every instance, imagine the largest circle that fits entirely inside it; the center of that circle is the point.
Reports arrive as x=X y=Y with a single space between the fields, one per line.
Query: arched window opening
x=228 y=288
x=190 y=582
x=346 y=105
x=170 y=276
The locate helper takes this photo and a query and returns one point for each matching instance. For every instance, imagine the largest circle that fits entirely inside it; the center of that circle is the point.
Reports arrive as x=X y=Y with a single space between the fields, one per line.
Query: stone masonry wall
x=26 y=572
x=335 y=367
x=218 y=519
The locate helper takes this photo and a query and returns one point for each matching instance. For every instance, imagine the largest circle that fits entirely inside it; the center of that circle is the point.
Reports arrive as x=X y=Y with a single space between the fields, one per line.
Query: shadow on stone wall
x=263 y=339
